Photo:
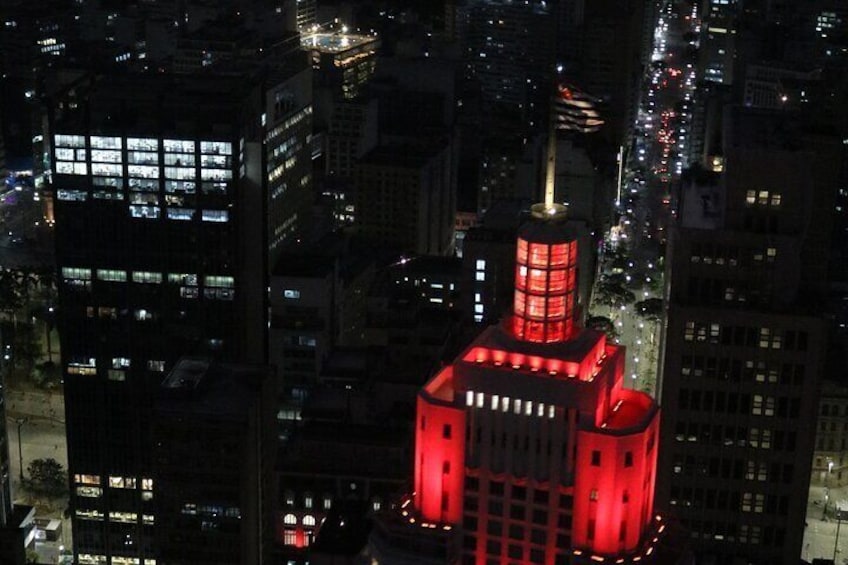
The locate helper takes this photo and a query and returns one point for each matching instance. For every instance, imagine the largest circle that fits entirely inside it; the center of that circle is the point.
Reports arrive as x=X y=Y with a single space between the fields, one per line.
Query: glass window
x=123 y=518
x=143 y=171
x=64 y=140
x=143 y=158
x=216 y=147
x=141 y=185
x=72 y=195
x=179 y=173
x=101 y=142
x=216 y=174
x=142 y=143
x=215 y=216
x=178 y=146
x=181 y=213
x=87 y=479
x=216 y=161
x=89 y=492
x=64 y=154
x=146 y=277
x=219 y=281
x=182 y=278
x=180 y=159
x=106 y=156
x=188 y=187
x=151 y=212
x=63 y=168
x=104 y=169
x=111 y=275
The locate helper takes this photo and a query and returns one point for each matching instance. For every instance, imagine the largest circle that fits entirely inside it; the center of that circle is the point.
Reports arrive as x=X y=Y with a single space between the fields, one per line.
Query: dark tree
x=47 y=477
x=650 y=309
x=603 y=324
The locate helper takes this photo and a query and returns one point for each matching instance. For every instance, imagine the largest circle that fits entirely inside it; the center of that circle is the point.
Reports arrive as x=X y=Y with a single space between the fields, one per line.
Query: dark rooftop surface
x=400 y=156
x=125 y=101
x=198 y=386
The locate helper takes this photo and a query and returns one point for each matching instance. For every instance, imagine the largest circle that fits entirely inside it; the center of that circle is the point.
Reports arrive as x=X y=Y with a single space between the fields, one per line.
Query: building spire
x=550 y=168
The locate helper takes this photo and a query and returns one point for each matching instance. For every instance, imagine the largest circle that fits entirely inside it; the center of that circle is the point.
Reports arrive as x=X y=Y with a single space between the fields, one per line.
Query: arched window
x=290 y=520
x=309 y=520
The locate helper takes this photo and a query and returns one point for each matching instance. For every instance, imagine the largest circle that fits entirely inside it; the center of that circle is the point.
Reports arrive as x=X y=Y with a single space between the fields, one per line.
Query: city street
x=656 y=160
x=42 y=436
x=820 y=536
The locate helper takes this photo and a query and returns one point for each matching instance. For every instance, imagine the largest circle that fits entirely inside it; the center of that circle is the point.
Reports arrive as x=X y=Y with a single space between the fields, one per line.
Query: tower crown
x=545 y=277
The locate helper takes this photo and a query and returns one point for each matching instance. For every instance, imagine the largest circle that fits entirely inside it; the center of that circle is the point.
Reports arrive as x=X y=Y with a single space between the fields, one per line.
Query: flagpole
x=550 y=169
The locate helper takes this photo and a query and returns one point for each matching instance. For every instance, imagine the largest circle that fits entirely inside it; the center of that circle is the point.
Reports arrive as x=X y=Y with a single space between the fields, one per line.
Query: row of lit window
x=754 y=471
x=724 y=368
x=150 y=185
x=480 y=276
x=760 y=405
x=747 y=534
x=308 y=500
x=97 y=492
x=211 y=510
x=291 y=520
x=147 y=171
x=114 y=374
x=278 y=171
x=145 y=144
x=116 y=275
x=95 y=559
x=116 y=517
x=762 y=198
x=502 y=403
x=768 y=338
x=114 y=481
x=758 y=438
x=290 y=122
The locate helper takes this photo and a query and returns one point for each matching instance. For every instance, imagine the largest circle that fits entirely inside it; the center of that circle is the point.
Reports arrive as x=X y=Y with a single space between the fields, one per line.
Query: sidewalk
x=824 y=535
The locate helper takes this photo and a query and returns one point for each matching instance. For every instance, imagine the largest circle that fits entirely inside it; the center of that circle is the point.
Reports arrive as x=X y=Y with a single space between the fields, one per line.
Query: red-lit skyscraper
x=528 y=448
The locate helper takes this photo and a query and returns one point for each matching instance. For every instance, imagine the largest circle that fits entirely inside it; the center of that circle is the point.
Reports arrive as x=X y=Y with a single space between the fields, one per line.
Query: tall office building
x=214 y=454
x=510 y=50
x=528 y=447
x=717 y=42
x=745 y=338
x=164 y=220
x=406 y=197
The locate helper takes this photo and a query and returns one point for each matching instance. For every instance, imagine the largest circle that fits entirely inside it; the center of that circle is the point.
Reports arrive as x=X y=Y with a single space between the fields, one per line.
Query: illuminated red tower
x=528 y=448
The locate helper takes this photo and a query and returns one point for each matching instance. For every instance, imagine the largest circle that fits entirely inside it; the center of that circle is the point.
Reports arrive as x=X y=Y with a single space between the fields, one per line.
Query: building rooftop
x=201 y=386
x=335 y=42
x=399 y=156
x=125 y=101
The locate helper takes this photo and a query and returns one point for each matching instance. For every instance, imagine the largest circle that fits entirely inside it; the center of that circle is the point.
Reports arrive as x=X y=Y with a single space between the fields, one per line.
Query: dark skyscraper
x=163 y=233
x=213 y=449
x=745 y=338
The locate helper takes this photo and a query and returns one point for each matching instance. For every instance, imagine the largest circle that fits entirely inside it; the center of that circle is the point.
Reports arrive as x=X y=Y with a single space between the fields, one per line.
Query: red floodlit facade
x=528 y=448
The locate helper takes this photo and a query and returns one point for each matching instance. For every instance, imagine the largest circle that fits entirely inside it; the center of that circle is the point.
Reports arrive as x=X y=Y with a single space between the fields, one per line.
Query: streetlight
x=20 y=422
x=48 y=326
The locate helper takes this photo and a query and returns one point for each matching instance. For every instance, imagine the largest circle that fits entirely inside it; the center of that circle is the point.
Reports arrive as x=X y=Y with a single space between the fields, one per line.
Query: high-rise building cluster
x=329 y=282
